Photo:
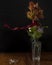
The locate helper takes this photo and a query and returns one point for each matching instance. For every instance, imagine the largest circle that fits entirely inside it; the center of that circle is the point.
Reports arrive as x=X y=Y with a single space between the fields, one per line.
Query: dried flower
x=35 y=11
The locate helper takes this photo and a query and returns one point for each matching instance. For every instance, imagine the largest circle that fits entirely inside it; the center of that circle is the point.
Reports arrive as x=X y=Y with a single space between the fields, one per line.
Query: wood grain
x=24 y=58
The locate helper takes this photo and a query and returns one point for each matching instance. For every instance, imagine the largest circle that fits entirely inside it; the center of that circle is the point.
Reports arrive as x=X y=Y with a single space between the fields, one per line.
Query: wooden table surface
x=24 y=58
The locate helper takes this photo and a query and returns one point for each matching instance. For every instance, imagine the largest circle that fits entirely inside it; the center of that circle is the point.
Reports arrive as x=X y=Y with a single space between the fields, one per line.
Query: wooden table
x=24 y=58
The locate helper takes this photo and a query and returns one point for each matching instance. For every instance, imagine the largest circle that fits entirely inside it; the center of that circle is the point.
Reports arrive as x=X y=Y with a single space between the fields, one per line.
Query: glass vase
x=36 y=52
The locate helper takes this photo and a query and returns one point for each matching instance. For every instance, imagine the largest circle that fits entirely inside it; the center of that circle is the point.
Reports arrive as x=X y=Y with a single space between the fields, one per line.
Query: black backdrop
x=14 y=13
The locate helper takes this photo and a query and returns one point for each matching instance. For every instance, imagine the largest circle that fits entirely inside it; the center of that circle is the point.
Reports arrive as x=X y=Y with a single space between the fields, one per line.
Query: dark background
x=13 y=12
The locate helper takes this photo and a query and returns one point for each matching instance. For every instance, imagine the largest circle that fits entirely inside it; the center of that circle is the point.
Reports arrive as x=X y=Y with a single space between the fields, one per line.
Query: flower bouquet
x=35 y=31
x=34 y=14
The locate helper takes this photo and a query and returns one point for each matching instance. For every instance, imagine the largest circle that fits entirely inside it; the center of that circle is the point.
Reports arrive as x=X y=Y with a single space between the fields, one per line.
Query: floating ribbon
x=21 y=28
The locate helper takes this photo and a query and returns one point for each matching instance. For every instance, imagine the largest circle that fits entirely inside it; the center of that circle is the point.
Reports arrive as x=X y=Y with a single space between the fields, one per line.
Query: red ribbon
x=21 y=28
